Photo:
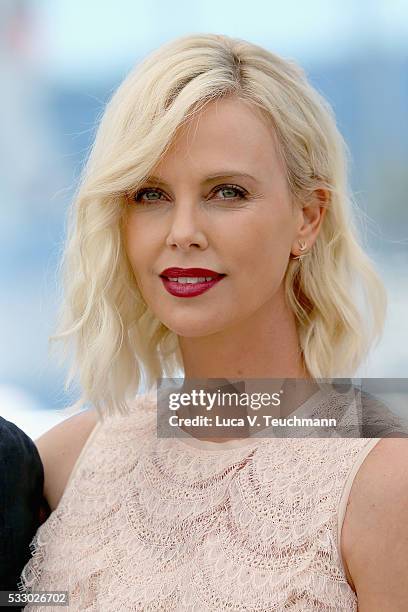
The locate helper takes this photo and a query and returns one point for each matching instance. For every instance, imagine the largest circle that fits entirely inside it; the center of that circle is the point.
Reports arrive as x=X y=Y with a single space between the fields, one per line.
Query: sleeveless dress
x=148 y=523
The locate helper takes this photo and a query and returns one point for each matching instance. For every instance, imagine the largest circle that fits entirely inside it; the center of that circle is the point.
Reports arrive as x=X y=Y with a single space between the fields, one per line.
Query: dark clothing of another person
x=22 y=505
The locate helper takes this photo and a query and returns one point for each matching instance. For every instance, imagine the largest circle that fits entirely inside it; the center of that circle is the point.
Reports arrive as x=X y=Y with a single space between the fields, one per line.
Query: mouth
x=189 y=282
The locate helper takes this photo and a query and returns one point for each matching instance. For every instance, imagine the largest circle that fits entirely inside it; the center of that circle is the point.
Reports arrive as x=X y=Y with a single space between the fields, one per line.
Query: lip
x=189 y=272
x=186 y=290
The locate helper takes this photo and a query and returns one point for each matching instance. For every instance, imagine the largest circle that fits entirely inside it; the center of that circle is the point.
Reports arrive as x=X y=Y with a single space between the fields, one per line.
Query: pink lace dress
x=182 y=524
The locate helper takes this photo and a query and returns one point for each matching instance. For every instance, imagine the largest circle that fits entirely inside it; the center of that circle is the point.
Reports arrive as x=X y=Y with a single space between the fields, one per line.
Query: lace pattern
x=155 y=524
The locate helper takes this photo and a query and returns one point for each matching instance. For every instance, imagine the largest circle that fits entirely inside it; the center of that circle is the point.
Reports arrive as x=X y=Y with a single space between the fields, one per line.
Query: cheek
x=136 y=245
x=266 y=244
x=135 y=255
x=130 y=248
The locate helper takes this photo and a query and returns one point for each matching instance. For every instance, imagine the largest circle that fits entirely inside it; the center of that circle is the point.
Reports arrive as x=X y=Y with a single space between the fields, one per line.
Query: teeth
x=191 y=280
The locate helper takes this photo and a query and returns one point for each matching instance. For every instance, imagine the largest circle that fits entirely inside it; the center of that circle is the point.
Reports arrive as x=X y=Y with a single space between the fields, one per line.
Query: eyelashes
x=242 y=194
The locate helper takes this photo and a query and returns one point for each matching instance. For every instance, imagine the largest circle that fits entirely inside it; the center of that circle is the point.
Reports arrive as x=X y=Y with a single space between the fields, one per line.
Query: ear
x=310 y=220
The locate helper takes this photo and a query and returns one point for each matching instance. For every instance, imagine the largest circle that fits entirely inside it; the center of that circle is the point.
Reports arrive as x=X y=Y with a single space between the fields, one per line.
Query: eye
x=242 y=194
x=147 y=191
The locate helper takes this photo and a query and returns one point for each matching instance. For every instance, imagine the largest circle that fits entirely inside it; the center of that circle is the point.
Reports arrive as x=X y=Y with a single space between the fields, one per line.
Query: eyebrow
x=225 y=174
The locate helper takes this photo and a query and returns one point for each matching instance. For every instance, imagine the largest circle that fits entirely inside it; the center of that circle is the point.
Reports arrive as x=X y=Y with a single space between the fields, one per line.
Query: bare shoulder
x=375 y=529
x=59 y=448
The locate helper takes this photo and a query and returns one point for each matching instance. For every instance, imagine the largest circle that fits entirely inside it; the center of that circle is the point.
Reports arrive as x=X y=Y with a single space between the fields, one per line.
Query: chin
x=194 y=329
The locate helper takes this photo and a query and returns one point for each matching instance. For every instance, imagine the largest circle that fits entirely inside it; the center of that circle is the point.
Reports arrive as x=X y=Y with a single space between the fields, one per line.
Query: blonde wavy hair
x=119 y=347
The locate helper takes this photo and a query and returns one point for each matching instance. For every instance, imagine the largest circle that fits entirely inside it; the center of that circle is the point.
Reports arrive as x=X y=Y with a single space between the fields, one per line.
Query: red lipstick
x=189 y=288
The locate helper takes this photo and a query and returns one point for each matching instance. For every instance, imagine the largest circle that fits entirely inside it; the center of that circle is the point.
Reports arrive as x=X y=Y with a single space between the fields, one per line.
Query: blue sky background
x=92 y=39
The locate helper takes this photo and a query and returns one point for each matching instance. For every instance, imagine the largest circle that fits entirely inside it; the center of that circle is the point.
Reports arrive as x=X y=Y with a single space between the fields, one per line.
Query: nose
x=186 y=229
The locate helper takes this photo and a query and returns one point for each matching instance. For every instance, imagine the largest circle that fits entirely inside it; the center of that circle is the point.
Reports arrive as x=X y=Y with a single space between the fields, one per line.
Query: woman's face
x=240 y=223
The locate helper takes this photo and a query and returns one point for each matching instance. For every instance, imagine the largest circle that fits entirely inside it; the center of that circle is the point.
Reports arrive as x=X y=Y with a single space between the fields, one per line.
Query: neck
x=265 y=345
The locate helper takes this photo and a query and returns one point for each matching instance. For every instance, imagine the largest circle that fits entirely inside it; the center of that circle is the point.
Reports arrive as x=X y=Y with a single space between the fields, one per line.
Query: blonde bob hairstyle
x=119 y=347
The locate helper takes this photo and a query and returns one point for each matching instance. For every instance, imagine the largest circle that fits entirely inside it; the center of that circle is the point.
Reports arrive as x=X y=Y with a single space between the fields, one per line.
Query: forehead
x=226 y=133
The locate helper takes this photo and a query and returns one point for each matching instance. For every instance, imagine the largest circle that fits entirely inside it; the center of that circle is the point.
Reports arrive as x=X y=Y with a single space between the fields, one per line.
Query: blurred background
x=60 y=61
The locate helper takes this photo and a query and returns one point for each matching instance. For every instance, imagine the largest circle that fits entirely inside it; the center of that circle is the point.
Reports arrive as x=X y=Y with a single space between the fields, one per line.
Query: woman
x=216 y=159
